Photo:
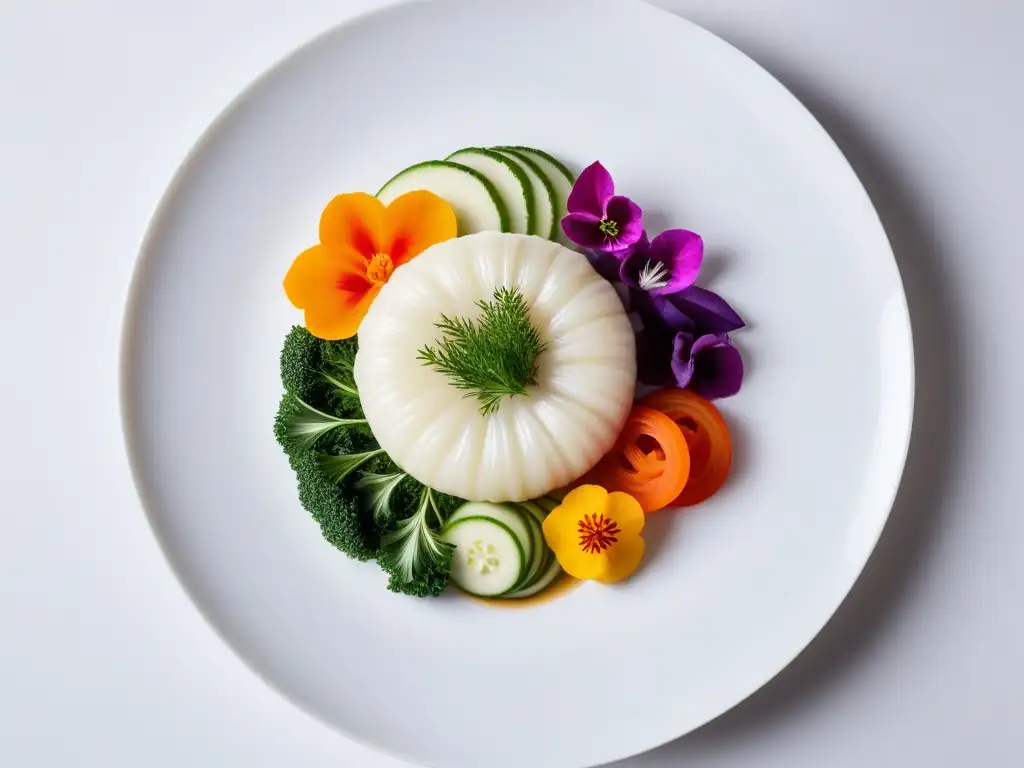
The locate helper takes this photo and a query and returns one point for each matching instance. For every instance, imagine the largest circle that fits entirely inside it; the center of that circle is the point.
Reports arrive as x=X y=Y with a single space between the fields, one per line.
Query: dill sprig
x=493 y=357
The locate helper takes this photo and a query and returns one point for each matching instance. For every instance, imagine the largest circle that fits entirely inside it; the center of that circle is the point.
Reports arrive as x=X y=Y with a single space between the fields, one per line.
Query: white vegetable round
x=532 y=444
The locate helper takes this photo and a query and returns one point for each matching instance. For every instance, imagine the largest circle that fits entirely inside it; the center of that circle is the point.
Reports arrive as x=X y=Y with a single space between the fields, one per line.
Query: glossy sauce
x=559 y=587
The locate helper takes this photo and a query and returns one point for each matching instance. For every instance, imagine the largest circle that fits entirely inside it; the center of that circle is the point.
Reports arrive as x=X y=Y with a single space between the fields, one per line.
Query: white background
x=103 y=660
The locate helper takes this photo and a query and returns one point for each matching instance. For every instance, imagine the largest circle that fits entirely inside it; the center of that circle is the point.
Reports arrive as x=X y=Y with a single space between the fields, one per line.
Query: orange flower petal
x=340 y=319
x=313 y=277
x=415 y=221
x=354 y=220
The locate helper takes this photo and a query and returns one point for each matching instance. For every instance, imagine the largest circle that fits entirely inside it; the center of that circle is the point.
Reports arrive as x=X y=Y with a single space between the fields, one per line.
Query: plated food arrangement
x=461 y=404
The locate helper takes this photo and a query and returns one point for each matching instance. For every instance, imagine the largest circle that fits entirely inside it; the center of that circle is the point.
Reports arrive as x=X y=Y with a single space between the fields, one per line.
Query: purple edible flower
x=669 y=264
x=598 y=219
x=692 y=308
x=708 y=365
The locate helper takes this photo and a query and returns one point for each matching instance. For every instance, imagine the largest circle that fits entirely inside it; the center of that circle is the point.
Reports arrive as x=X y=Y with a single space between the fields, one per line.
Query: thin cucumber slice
x=488 y=559
x=560 y=177
x=509 y=179
x=549 y=574
x=549 y=567
x=478 y=206
x=546 y=160
x=543 y=192
x=547 y=503
x=535 y=516
x=509 y=516
x=535 y=510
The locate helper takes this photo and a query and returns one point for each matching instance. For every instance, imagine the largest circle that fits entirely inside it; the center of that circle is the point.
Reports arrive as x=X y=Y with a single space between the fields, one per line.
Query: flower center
x=653 y=275
x=379 y=268
x=609 y=227
x=597 y=533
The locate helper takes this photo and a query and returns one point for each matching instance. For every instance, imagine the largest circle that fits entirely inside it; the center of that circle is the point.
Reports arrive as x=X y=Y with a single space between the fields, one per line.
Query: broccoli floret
x=319 y=372
x=336 y=508
x=343 y=519
x=301 y=363
x=446 y=504
x=320 y=391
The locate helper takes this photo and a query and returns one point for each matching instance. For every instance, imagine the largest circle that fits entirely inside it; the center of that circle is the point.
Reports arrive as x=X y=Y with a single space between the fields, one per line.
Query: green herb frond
x=380 y=489
x=493 y=357
x=302 y=424
x=414 y=545
x=337 y=468
x=342 y=386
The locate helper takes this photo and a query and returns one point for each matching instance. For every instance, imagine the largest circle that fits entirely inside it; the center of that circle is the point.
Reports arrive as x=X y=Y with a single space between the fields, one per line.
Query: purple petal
x=654 y=358
x=642 y=243
x=709 y=311
x=681 y=251
x=630 y=266
x=717 y=368
x=630 y=219
x=659 y=311
x=582 y=229
x=591 y=192
x=683 y=359
x=605 y=264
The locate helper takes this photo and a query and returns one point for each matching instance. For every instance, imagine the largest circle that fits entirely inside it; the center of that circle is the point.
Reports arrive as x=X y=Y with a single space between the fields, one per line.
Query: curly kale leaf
x=346 y=481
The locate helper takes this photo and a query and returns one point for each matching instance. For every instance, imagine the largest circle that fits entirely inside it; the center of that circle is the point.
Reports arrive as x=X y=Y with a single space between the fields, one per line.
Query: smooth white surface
x=103 y=660
x=572 y=416
x=820 y=437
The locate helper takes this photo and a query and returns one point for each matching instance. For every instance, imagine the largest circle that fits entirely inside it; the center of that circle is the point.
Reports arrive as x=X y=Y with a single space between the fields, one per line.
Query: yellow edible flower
x=596 y=534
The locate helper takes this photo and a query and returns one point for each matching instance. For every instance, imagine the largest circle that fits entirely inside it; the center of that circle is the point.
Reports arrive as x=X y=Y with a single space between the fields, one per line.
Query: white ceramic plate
x=732 y=590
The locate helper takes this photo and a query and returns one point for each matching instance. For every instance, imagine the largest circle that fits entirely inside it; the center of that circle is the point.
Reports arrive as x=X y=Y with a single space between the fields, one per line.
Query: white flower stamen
x=653 y=275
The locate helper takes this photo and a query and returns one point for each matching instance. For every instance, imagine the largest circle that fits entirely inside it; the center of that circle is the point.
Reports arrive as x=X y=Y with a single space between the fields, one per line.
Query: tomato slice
x=706 y=434
x=650 y=460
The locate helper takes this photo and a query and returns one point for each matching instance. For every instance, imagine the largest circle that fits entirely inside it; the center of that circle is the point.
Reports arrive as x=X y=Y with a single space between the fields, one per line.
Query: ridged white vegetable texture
x=532 y=444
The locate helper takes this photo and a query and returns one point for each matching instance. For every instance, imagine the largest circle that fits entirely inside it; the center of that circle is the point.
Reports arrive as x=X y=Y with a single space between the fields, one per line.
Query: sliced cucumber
x=549 y=575
x=509 y=516
x=543 y=193
x=547 y=503
x=549 y=567
x=488 y=560
x=535 y=517
x=509 y=179
x=478 y=206
x=560 y=177
x=535 y=510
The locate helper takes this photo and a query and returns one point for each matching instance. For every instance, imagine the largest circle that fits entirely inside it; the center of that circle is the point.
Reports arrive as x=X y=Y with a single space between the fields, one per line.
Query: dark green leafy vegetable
x=346 y=481
x=379 y=490
x=338 y=513
x=302 y=425
x=414 y=544
x=337 y=468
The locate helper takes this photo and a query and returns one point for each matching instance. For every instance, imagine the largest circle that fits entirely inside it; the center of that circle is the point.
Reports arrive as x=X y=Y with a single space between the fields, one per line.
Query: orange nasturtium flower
x=596 y=534
x=361 y=244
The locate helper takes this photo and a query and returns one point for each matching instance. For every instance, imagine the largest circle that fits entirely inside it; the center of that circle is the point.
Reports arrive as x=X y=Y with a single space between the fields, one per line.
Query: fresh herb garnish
x=379 y=489
x=337 y=467
x=493 y=357
x=304 y=424
x=414 y=545
x=346 y=480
